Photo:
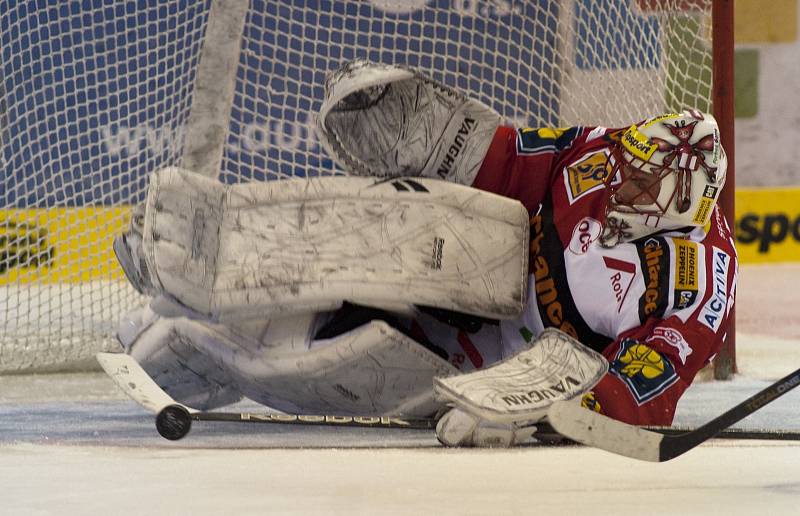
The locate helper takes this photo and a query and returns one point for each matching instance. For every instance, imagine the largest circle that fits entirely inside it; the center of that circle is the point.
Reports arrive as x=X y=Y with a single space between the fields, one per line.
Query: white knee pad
x=165 y=349
x=373 y=370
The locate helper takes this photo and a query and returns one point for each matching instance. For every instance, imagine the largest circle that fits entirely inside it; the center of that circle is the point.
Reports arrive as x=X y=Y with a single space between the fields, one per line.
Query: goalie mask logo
x=643 y=370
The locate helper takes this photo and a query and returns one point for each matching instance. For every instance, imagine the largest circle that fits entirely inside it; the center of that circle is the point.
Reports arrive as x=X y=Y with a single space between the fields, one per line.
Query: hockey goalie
x=463 y=267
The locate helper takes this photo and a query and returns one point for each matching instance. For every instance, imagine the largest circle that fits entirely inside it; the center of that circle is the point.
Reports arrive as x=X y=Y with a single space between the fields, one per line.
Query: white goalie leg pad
x=373 y=370
x=521 y=388
x=165 y=350
x=390 y=121
x=283 y=247
x=128 y=250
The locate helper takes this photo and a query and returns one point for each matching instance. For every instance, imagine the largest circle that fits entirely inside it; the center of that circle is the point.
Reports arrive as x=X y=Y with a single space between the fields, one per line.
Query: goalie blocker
x=500 y=405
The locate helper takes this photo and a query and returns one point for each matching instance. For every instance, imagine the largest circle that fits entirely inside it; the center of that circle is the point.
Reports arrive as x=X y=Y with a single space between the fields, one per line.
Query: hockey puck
x=173 y=422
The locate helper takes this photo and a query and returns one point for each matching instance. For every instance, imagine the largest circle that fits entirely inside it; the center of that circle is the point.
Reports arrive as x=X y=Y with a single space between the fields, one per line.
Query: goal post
x=97 y=94
x=723 y=106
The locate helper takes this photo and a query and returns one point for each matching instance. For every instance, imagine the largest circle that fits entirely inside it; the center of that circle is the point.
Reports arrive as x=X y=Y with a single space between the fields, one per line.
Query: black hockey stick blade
x=590 y=428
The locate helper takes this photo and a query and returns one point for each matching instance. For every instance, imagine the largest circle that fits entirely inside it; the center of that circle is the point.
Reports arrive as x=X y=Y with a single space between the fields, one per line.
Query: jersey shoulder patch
x=546 y=139
x=587 y=174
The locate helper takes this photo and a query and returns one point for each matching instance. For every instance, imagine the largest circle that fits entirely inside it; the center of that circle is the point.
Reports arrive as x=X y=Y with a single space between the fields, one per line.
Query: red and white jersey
x=655 y=307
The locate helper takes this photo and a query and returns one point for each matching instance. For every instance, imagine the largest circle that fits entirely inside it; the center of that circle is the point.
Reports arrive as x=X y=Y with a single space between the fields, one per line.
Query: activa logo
x=714 y=309
x=773 y=228
x=467 y=125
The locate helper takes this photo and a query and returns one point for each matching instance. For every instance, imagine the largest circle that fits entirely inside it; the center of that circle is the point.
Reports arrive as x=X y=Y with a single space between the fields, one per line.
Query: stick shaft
x=430 y=423
x=673 y=446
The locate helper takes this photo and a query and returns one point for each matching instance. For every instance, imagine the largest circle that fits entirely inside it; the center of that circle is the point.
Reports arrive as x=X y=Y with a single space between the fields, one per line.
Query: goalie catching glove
x=390 y=121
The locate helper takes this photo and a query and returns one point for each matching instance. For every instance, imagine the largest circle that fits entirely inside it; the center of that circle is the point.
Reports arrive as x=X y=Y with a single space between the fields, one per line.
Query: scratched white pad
x=309 y=244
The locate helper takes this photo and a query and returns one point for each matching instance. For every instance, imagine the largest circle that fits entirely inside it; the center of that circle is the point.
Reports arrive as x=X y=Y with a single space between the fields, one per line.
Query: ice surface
x=72 y=444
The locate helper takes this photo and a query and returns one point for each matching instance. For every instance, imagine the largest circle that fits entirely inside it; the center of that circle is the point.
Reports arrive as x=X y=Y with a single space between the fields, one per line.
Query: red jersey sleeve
x=652 y=365
x=520 y=163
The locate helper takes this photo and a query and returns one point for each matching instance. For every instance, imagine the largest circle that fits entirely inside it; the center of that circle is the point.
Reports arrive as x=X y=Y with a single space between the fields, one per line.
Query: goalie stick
x=587 y=427
x=132 y=379
x=173 y=422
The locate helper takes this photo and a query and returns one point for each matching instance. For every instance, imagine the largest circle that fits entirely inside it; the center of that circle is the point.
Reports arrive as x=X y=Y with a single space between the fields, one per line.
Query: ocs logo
x=399 y=6
x=585 y=232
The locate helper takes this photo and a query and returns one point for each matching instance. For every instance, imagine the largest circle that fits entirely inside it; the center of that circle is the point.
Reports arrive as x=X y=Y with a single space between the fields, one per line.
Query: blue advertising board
x=97 y=92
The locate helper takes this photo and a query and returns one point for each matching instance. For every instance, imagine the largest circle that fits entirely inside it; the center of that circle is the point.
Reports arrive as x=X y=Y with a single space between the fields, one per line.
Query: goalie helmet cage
x=97 y=94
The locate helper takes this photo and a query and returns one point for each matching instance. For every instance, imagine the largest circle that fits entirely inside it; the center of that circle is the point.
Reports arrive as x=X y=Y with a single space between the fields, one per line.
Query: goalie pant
x=656 y=307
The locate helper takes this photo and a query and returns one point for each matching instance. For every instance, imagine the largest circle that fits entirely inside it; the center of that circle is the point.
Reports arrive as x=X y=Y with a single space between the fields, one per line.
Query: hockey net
x=95 y=95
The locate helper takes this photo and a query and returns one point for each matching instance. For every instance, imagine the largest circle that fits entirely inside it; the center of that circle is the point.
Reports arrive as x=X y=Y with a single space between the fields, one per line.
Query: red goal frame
x=723 y=107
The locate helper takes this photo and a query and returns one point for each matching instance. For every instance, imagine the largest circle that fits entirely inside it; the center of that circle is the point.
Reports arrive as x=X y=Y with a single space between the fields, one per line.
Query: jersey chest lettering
x=547 y=293
x=654 y=258
x=714 y=309
x=555 y=302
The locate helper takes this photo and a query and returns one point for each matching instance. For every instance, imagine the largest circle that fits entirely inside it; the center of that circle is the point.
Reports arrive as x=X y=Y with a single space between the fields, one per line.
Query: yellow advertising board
x=768 y=224
x=56 y=245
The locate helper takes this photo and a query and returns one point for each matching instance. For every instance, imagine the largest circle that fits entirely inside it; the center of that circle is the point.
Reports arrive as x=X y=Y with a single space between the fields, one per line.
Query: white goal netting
x=96 y=94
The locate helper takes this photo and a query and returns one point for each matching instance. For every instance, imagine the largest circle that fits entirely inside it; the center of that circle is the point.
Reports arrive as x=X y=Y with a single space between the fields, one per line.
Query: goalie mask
x=666 y=174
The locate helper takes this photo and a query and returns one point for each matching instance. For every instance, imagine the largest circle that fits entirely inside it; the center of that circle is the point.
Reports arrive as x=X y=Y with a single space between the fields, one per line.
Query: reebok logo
x=467 y=125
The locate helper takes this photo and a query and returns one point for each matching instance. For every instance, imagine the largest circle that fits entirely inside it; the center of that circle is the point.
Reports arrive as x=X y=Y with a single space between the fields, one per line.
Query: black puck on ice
x=173 y=422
